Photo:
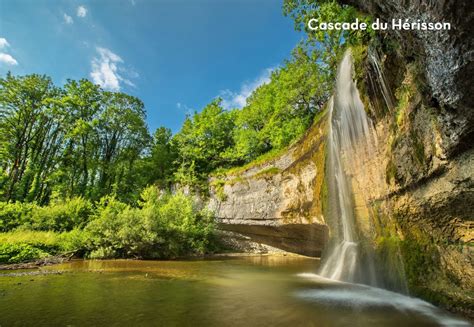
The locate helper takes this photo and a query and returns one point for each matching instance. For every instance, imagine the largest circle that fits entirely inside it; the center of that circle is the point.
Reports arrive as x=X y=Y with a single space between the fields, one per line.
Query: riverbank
x=49 y=261
x=30 y=249
x=61 y=259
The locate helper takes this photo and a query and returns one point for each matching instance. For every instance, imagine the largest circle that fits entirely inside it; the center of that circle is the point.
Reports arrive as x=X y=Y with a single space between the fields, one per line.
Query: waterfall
x=351 y=140
x=380 y=81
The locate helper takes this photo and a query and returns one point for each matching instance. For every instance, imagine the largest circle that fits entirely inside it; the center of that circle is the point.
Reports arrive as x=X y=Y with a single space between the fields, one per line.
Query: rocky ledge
x=278 y=202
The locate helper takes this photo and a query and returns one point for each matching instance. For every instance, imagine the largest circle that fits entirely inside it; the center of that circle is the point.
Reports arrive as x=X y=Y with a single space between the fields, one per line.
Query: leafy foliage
x=74 y=141
x=79 y=170
x=204 y=138
x=27 y=245
x=60 y=215
x=13 y=215
x=328 y=43
x=163 y=226
x=159 y=166
x=15 y=253
x=280 y=111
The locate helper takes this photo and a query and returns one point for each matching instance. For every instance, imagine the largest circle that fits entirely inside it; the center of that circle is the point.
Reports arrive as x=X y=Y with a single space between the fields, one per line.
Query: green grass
x=16 y=253
x=264 y=158
x=268 y=172
x=218 y=185
x=26 y=245
x=50 y=241
x=30 y=237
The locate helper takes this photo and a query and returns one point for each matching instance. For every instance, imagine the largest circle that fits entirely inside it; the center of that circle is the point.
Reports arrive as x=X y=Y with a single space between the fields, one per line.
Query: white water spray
x=350 y=131
x=351 y=145
x=380 y=81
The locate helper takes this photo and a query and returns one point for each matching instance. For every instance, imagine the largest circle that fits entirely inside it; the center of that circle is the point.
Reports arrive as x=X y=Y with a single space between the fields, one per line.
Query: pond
x=231 y=291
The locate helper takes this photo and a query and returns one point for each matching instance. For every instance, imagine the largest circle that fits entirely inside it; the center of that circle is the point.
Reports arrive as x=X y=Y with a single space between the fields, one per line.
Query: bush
x=15 y=253
x=58 y=216
x=188 y=229
x=49 y=242
x=62 y=215
x=117 y=231
x=164 y=226
x=14 y=214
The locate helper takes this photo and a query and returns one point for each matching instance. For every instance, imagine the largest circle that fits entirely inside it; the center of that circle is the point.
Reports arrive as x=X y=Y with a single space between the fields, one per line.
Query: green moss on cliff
x=218 y=186
x=267 y=172
x=359 y=55
x=420 y=258
x=390 y=172
x=418 y=148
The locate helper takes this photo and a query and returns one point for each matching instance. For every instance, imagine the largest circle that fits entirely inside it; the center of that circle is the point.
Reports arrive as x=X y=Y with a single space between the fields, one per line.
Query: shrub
x=14 y=214
x=62 y=215
x=161 y=226
x=164 y=226
x=72 y=241
x=59 y=216
x=119 y=233
x=15 y=253
x=49 y=242
x=187 y=228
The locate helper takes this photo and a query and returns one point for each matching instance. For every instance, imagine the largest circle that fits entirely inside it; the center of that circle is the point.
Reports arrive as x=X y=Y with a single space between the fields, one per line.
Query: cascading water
x=354 y=176
x=380 y=81
x=350 y=130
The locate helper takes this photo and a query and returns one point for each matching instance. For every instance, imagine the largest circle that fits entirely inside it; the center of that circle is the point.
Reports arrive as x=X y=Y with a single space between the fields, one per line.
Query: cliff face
x=278 y=202
x=418 y=216
x=423 y=212
x=446 y=57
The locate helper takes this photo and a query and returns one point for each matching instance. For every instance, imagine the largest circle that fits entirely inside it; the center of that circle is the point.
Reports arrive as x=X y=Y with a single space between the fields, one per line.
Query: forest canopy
x=79 y=160
x=80 y=140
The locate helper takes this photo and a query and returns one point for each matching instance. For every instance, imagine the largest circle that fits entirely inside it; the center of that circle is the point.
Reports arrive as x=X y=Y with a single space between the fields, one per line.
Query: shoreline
x=56 y=260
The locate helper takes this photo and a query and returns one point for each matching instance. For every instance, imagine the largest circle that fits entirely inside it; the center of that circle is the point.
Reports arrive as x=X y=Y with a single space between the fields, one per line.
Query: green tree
x=29 y=135
x=76 y=141
x=123 y=136
x=280 y=111
x=160 y=163
x=329 y=43
x=82 y=102
x=204 y=138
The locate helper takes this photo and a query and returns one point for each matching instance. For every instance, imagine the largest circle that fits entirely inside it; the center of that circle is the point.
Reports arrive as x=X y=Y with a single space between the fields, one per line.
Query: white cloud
x=231 y=99
x=3 y=43
x=68 y=19
x=7 y=59
x=105 y=70
x=81 y=11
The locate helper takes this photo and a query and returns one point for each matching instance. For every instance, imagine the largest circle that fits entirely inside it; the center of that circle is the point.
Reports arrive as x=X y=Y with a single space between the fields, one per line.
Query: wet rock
x=446 y=56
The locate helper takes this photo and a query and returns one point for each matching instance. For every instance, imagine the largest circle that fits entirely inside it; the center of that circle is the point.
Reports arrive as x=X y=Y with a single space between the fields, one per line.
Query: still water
x=238 y=291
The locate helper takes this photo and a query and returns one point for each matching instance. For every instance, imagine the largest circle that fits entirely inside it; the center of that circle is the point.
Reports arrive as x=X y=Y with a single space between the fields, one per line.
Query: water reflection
x=244 y=291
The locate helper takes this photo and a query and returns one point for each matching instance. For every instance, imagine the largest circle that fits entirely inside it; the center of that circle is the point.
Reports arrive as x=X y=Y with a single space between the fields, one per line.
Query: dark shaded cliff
x=425 y=123
x=446 y=58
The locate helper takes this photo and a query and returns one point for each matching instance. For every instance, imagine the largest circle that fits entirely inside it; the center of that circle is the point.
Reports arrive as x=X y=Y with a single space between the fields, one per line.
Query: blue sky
x=176 y=56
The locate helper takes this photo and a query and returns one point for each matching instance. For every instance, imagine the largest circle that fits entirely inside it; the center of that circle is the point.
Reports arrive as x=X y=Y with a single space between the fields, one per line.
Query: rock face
x=424 y=212
x=446 y=57
x=417 y=218
x=278 y=202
